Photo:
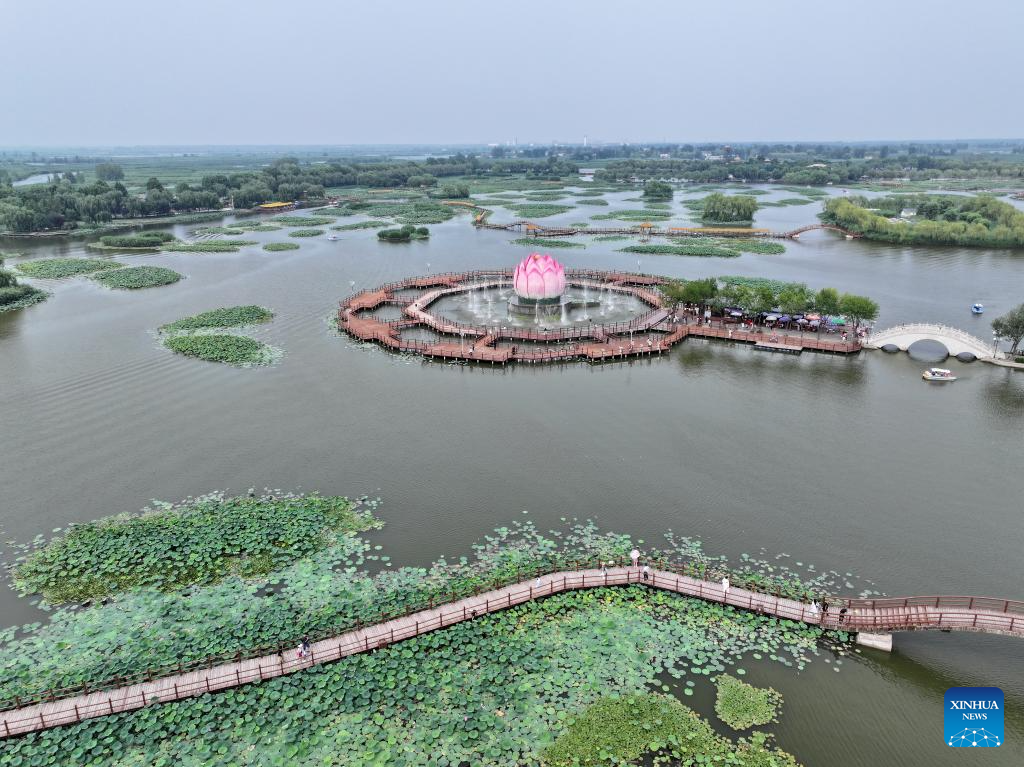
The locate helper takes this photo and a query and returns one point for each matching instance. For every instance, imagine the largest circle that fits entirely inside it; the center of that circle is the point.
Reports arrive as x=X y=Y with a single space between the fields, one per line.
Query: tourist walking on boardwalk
x=635 y=556
x=647 y=573
x=842 y=614
x=604 y=568
x=814 y=608
x=725 y=587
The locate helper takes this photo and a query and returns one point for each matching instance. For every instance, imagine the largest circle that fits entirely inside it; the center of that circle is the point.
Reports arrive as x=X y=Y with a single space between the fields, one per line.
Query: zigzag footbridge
x=872 y=620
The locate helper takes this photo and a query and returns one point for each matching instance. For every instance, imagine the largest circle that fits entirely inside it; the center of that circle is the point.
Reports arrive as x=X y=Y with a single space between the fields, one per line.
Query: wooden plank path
x=897 y=614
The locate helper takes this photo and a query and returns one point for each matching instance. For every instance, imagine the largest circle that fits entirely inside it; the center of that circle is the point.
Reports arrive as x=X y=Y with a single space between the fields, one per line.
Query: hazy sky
x=107 y=72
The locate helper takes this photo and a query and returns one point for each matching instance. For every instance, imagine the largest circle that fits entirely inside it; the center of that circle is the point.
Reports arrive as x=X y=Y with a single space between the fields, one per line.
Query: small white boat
x=938 y=374
x=977 y=308
x=332 y=237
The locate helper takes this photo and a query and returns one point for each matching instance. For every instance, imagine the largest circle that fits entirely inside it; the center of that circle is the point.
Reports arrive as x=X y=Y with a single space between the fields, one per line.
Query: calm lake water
x=852 y=464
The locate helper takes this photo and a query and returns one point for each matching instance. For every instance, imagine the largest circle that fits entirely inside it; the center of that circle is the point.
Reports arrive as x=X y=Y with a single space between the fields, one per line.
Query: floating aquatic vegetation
x=762 y=246
x=618 y=730
x=136 y=277
x=425 y=212
x=491 y=691
x=140 y=241
x=278 y=246
x=58 y=268
x=326 y=593
x=635 y=214
x=201 y=540
x=231 y=231
x=537 y=209
x=683 y=249
x=209 y=246
x=253 y=226
x=359 y=225
x=227 y=317
x=741 y=705
x=591 y=201
x=302 y=220
x=222 y=347
x=306 y=233
x=543 y=243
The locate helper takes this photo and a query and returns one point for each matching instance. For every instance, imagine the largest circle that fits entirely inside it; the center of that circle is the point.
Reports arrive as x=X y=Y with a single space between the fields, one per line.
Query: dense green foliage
x=227 y=317
x=657 y=190
x=403 y=234
x=684 y=249
x=611 y=238
x=14 y=295
x=591 y=201
x=66 y=204
x=277 y=246
x=305 y=232
x=136 y=277
x=724 y=208
x=939 y=219
x=759 y=294
x=222 y=347
x=199 y=541
x=109 y=171
x=58 y=268
x=1010 y=327
x=742 y=706
x=547 y=242
x=698 y=292
x=620 y=730
x=634 y=214
x=141 y=240
x=454 y=191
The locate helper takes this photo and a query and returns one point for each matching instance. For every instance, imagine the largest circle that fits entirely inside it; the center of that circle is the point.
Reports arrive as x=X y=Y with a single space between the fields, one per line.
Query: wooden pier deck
x=982 y=614
x=653 y=332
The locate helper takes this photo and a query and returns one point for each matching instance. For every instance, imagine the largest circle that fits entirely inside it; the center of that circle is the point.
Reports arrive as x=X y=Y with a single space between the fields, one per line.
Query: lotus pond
x=136 y=277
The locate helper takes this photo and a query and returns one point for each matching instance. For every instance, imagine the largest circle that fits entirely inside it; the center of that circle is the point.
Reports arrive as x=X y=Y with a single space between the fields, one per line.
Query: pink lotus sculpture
x=539 y=276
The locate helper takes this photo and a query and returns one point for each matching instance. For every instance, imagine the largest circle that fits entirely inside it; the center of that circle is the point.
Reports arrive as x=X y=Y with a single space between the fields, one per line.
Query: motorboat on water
x=977 y=308
x=938 y=374
x=332 y=237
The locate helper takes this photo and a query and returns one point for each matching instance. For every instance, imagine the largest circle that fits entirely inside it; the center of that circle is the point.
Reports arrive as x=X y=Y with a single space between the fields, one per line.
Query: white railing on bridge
x=934 y=330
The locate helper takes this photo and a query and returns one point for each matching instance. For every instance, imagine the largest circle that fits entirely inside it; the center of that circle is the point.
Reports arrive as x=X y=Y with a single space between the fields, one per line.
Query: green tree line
x=756 y=296
x=981 y=221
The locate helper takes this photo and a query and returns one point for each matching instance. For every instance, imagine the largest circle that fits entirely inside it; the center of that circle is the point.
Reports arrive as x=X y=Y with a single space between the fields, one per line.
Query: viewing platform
x=650 y=333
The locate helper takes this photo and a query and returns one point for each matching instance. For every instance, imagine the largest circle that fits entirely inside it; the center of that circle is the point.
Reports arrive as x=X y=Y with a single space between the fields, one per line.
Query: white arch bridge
x=955 y=340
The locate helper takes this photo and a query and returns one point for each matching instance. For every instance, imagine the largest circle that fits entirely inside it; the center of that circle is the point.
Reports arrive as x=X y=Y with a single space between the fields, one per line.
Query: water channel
x=850 y=464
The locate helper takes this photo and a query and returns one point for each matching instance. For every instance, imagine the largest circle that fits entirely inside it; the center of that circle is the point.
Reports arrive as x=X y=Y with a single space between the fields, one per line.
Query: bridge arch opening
x=928 y=350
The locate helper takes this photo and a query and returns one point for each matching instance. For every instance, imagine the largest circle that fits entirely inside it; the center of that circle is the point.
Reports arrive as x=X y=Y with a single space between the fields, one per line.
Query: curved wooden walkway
x=899 y=614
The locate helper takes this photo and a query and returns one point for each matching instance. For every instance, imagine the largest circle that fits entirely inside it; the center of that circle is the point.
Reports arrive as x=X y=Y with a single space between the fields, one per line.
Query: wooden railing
x=900 y=613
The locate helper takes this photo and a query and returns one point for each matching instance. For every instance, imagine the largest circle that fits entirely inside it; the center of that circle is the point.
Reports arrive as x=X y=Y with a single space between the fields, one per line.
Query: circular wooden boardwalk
x=653 y=332
x=983 y=614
